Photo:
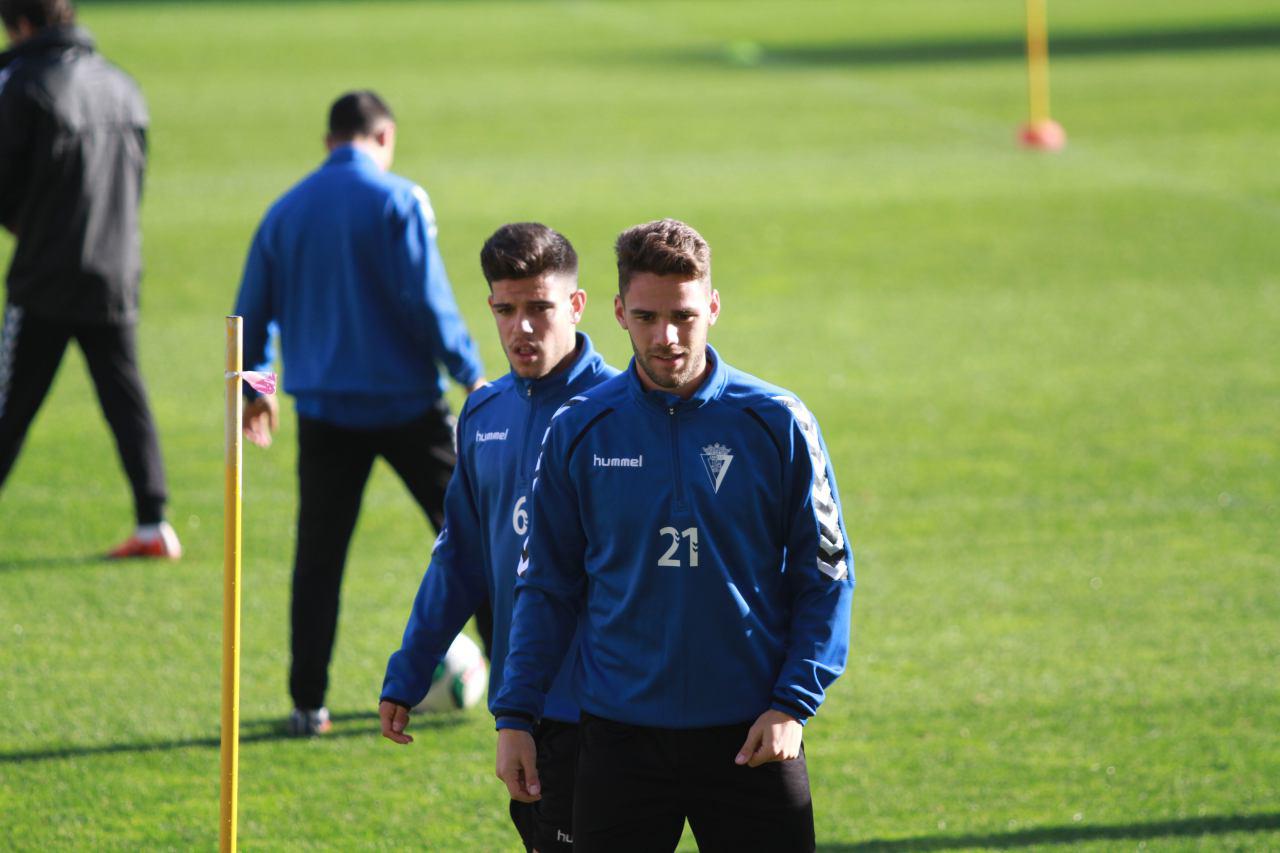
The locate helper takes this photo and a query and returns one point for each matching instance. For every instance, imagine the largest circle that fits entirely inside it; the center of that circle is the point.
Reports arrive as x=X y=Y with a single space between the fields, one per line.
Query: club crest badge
x=716 y=459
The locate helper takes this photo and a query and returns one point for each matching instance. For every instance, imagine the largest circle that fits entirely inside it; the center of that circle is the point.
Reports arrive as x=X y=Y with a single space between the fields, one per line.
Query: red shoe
x=163 y=546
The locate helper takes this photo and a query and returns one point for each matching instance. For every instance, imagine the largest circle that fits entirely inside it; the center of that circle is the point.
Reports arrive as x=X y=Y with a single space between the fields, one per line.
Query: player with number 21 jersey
x=715 y=550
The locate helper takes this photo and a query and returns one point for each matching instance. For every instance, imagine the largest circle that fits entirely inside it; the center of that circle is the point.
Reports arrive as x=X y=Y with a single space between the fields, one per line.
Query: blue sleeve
x=550 y=586
x=427 y=287
x=452 y=588
x=254 y=304
x=819 y=569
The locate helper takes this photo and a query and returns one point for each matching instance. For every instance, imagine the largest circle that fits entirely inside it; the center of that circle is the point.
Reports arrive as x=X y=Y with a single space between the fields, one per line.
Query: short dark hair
x=662 y=247
x=526 y=250
x=358 y=114
x=38 y=13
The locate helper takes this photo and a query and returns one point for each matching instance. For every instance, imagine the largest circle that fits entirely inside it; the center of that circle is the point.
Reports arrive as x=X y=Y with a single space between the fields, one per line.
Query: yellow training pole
x=1037 y=61
x=1040 y=131
x=231 y=593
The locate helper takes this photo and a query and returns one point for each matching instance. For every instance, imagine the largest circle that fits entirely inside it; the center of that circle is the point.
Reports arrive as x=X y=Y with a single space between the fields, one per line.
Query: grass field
x=1050 y=384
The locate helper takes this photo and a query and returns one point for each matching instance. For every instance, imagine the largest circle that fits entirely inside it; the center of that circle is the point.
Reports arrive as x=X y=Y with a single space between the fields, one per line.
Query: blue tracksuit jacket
x=486 y=521
x=705 y=540
x=346 y=265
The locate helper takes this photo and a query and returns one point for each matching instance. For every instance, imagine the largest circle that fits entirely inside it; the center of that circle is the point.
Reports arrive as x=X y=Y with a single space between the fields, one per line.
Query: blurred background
x=1049 y=383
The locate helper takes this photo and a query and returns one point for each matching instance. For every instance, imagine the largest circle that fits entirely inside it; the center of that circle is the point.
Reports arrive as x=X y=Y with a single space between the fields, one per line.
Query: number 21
x=670 y=558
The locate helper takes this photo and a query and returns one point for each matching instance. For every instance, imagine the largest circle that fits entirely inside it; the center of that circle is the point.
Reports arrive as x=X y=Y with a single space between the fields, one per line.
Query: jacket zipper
x=675 y=459
x=523 y=472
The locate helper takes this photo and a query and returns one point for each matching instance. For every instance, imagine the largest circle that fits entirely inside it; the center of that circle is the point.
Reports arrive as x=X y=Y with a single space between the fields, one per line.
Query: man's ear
x=577 y=302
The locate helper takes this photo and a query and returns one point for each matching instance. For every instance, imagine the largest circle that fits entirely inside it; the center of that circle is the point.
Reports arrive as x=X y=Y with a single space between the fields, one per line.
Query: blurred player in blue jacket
x=685 y=524
x=533 y=279
x=346 y=265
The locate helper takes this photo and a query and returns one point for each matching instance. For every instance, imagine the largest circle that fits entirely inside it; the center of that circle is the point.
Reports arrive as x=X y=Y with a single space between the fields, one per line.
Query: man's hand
x=477 y=385
x=518 y=765
x=394 y=719
x=261 y=417
x=774 y=736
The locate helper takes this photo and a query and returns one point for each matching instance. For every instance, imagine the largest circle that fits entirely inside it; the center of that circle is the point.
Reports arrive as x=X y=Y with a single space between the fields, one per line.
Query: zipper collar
x=587 y=361
x=710 y=389
x=350 y=154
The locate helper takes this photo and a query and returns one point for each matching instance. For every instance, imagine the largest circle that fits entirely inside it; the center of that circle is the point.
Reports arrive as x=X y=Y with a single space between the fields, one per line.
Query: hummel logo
x=716 y=459
x=618 y=461
x=561 y=835
x=491 y=436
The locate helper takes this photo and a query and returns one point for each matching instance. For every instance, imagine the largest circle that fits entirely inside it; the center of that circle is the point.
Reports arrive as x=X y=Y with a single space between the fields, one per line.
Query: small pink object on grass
x=263 y=383
x=1045 y=135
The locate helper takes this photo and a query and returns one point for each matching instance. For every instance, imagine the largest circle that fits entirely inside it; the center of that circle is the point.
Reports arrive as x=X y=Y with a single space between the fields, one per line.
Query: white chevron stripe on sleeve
x=831 y=545
x=537 y=465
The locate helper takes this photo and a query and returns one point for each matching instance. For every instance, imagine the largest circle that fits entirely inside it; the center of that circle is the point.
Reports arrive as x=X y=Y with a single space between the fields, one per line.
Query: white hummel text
x=716 y=459
x=491 y=436
x=618 y=461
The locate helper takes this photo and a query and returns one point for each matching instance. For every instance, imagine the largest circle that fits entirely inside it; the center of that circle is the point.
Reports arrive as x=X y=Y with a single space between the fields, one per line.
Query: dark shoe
x=309 y=722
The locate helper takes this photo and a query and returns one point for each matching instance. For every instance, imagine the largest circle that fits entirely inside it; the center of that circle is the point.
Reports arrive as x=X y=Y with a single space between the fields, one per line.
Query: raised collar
x=587 y=361
x=48 y=38
x=710 y=389
x=350 y=154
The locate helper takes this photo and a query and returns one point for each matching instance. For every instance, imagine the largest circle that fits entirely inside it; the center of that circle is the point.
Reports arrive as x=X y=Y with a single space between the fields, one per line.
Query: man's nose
x=668 y=335
x=526 y=326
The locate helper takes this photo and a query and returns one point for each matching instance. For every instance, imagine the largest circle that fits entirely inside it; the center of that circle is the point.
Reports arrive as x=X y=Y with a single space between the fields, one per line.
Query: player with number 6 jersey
x=486 y=522
x=534 y=296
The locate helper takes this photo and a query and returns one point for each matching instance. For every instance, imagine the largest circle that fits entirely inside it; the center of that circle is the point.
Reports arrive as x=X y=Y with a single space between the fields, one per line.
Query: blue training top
x=486 y=520
x=346 y=265
x=702 y=542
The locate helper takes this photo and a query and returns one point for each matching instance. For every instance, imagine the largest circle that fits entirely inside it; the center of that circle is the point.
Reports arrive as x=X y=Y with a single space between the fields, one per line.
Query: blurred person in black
x=73 y=149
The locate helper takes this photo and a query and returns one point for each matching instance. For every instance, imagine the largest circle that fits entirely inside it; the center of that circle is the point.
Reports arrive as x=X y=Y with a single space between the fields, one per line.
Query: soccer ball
x=460 y=679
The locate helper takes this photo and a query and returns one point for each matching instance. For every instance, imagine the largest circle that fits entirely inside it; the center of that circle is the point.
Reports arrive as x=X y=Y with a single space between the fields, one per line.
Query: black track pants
x=637 y=785
x=31 y=348
x=333 y=467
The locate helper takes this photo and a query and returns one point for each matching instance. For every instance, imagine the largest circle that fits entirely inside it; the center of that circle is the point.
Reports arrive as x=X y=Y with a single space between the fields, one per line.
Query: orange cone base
x=1046 y=135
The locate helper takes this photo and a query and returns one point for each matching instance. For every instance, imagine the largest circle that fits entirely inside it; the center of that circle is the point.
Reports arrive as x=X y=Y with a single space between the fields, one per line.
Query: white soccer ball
x=460 y=679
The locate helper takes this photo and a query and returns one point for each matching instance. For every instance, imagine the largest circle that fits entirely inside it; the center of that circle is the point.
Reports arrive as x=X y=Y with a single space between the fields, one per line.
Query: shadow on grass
x=1070 y=834
x=346 y=725
x=1013 y=47
x=68 y=562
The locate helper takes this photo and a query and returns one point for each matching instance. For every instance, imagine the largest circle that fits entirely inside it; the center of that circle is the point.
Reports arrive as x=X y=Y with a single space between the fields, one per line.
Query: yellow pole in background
x=1037 y=61
x=231 y=592
x=1041 y=131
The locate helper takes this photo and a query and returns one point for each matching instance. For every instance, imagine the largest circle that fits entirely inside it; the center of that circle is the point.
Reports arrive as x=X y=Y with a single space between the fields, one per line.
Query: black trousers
x=547 y=825
x=637 y=784
x=31 y=349
x=333 y=467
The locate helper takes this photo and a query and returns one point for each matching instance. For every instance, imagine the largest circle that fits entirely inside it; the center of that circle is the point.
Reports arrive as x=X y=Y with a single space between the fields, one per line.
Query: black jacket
x=73 y=149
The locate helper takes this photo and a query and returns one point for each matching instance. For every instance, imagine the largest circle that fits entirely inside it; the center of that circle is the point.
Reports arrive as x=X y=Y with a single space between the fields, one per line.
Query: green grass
x=1049 y=383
